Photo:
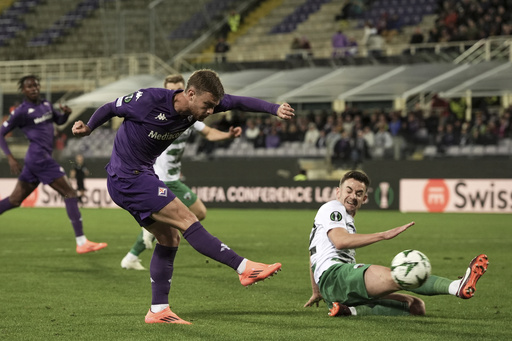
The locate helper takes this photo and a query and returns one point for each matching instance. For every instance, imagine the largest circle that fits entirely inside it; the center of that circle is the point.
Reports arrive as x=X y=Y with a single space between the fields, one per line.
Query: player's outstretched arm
x=285 y=111
x=80 y=129
x=213 y=134
x=344 y=240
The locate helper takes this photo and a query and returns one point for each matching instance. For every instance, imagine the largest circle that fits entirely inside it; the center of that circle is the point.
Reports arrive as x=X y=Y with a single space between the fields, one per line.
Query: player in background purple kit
x=35 y=117
x=153 y=119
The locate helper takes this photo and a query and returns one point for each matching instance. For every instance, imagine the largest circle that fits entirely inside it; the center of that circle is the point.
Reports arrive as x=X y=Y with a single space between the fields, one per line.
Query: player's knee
x=416 y=306
x=201 y=215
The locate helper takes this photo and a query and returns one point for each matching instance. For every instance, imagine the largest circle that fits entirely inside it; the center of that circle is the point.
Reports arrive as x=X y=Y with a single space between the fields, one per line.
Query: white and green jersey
x=322 y=251
x=168 y=164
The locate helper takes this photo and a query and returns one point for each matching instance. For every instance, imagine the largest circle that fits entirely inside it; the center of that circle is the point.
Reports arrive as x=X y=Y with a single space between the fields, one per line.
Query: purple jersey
x=36 y=122
x=151 y=124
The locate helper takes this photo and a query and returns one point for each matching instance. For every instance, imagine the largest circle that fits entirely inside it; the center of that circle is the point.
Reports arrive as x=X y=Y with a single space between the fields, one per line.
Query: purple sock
x=74 y=215
x=160 y=270
x=210 y=246
x=5 y=205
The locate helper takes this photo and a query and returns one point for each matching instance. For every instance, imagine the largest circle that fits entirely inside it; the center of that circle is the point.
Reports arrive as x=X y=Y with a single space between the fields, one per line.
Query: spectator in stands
x=417 y=37
x=339 y=43
x=446 y=138
x=259 y=141
x=359 y=150
x=292 y=133
x=353 y=48
x=305 y=45
x=375 y=45
x=345 y=12
x=368 y=30
x=221 y=48
x=321 y=142
x=251 y=130
x=296 y=52
x=393 y=27
x=272 y=139
x=312 y=135
x=79 y=172
x=383 y=143
x=234 y=19
x=302 y=176
x=342 y=150
x=369 y=137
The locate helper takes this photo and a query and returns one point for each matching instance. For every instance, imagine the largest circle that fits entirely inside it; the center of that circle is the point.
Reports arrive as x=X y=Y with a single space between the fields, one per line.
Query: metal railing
x=81 y=73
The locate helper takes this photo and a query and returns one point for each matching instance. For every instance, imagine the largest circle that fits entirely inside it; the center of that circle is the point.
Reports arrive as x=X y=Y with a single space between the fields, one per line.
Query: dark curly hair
x=24 y=78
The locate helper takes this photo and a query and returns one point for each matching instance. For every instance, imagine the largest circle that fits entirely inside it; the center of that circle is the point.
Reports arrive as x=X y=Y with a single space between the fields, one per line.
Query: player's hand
x=14 y=165
x=65 y=109
x=80 y=129
x=285 y=111
x=397 y=230
x=235 y=132
x=314 y=300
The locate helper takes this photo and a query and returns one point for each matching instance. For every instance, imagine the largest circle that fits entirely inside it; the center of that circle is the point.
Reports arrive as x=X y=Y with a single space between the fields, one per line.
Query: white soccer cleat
x=147 y=238
x=132 y=264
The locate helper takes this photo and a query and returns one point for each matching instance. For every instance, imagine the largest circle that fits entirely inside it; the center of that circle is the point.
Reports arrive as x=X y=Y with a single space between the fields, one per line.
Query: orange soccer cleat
x=164 y=316
x=476 y=269
x=255 y=272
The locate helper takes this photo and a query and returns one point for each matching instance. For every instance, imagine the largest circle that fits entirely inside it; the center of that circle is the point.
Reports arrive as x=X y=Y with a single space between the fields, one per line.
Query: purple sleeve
x=11 y=123
x=230 y=102
x=101 y=115
x=3 y=143
x=59 y=117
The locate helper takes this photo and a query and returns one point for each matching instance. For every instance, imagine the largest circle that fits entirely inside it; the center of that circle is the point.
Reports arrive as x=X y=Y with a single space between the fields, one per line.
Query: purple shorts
x=141 y=195
x=45 y=170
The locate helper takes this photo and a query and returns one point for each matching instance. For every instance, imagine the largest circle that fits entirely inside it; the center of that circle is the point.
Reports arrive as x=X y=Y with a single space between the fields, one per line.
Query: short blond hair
x=174 y=78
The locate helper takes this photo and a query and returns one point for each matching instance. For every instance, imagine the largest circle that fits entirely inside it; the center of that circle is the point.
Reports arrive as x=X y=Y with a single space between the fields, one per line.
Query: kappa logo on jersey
x=138 y=95
x=336 y=216
x=162 y=191
x=187 y=196
x=161 y=117
x=30 y=111
x=224 y=247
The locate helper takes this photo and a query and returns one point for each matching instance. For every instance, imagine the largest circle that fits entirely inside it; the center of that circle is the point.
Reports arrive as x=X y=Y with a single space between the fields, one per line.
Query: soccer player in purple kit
x=35 y=117
x=153 y=119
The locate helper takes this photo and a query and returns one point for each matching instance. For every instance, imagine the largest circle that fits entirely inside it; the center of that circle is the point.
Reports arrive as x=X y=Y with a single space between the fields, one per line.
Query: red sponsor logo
x=436 y=195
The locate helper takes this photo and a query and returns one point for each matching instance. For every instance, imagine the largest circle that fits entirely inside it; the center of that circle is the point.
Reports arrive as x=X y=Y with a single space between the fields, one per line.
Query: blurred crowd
x=353 y=136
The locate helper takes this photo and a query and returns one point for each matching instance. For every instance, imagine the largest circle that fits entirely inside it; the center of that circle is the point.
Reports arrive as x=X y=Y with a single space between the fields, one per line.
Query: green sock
x=138 y=246
x=383 y=307
x=434 y=285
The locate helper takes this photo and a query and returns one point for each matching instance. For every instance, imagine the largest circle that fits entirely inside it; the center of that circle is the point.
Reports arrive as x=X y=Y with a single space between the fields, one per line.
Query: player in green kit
x=350 y=288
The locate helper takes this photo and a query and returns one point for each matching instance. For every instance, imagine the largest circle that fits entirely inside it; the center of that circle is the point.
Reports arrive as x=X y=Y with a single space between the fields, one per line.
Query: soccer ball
x=410 y=269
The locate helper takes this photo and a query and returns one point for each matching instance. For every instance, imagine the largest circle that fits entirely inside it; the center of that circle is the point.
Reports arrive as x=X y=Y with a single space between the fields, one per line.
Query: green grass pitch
x=48 y=292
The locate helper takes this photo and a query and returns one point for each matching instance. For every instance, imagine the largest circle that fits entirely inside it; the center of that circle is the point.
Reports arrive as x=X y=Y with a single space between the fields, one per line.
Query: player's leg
x=378 y=281
x=145 y=238
x=131 y=260
x=21 y=191
x=199 y=209
x=63 y=187
x=188 y=197
x=345 y=288
x=390 y=305
x=177 y=215
x=464 y=288
x=161 y=270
